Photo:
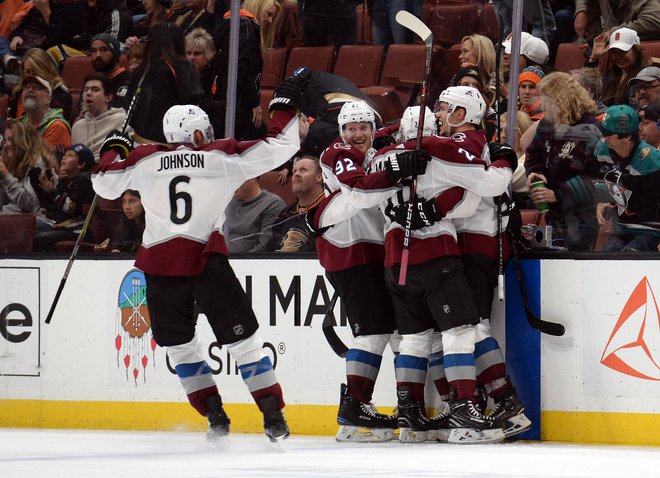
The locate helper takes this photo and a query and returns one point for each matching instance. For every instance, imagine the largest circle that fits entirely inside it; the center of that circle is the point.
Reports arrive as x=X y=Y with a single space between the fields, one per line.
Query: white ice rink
x=26 y=453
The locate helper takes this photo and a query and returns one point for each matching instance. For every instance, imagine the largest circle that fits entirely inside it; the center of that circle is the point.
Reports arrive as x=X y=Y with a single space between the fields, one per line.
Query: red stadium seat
x=651 y=49
x=365 y=36
x=273 y=70
x=16 y=232
x=450 y=23
x=359 y=63
x=313 y=57
x=570 y=56
x=74 y=72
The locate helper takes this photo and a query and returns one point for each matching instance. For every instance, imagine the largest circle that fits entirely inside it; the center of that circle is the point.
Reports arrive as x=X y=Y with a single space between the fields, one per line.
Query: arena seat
x=4 y=104
x=570 y=56
x=16 y=232
x=359 y=63
x=651 y=49
x=313 y=57
x=451 y=22
x=273 y=69
x=265 y=96
x=365 y=36
x=400 y=79
x=74 y=72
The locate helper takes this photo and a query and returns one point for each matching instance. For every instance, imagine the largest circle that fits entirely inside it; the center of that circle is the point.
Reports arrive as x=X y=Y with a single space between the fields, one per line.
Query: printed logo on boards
x=634 y=344
x=133 y=337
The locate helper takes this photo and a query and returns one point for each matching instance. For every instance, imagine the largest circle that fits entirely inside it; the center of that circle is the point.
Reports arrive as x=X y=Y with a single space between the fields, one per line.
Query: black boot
x=274 y=423
x=218 y=419
x=413 y=422
x=361 y=422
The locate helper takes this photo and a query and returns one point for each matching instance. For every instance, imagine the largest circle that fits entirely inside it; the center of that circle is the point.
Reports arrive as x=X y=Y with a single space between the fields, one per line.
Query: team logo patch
x=567 y=149
x=133 y=335
x=644 y=152
x=238 y=329
x=446 y=308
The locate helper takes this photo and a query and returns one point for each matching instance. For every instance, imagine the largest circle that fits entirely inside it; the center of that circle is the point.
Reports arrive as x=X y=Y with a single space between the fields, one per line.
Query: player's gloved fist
x=288 y=92
x=424 y=213
x=406 y=163
x=381 y=142
x=505 y=152
x=118 y=142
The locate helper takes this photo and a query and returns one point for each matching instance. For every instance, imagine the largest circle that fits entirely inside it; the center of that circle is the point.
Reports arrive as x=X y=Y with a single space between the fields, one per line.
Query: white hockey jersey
x=185 y=191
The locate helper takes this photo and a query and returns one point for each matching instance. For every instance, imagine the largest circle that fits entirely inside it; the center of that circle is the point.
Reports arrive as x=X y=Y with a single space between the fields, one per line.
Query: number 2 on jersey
x=175 y=196
x=342 y=165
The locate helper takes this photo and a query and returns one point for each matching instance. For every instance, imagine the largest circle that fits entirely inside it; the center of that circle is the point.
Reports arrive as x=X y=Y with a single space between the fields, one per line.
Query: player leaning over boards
x=185 y=189
x=352 y=253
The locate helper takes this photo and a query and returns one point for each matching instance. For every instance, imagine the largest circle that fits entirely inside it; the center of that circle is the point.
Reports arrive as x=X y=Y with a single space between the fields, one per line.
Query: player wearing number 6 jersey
x=185 y=190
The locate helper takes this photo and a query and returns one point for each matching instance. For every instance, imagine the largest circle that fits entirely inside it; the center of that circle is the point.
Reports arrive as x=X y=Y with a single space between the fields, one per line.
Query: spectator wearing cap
x=643 y=16
x=645 y=87
x=624 y=60
x=63 y=201
x=529 y=100
x=49 y=122
x=533 y=51
x=560 y=152
x=636 y=215
x=99 y=118
x=105 y=53
x=649 y=124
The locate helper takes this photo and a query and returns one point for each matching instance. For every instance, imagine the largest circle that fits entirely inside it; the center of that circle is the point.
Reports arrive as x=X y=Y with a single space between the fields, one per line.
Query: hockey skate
x=218 y=419
x=439 y=429
x=510 y=411
x=413 y=422
x=361 y=422
x=469 y=425
x=275 y=425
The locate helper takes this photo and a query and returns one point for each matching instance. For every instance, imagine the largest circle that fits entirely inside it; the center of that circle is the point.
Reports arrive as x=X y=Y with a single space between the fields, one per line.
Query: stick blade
x=411 y=22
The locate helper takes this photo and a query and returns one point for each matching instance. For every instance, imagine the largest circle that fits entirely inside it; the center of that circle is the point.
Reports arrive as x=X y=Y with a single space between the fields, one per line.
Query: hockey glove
x=424 y=213
x=288 y=92
x=381 y=142
x=407 y=163
x=118 y=142
x=505 y=152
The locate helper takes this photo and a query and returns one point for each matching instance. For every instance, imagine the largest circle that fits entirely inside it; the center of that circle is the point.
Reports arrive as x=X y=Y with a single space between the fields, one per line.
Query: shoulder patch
x=644 y=152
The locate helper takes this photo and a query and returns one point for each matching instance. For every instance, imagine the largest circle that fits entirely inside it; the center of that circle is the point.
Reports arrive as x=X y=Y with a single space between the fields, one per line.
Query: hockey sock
x=437 y=372
x=411 y=372
x=458 y=346
x=261 y=381
x=361 y=372
x=197 y=380
x=489 y=361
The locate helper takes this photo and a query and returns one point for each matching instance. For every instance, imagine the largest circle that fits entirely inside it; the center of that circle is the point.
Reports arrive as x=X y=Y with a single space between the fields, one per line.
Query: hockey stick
x=411 y=22
x=550 y=328
x=92 y=207
x=500 y=239
x=336 y=344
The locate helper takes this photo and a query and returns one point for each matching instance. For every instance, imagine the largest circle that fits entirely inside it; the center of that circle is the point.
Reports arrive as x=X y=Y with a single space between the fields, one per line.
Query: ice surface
x=28 y=453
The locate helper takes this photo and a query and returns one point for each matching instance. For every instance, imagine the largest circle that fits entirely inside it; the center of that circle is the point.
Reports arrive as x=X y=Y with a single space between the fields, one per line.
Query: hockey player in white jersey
x=478 y=243
x=185 y=189
x=352 y=253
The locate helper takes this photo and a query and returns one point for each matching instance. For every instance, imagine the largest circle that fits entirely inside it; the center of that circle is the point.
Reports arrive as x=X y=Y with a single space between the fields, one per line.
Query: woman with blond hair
x=36 y=62
x=478 y=50
x=561 y=154
x=24 y=158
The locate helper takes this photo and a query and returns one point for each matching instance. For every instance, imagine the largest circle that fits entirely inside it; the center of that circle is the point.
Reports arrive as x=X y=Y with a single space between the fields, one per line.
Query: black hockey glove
x=406 y=163
x=382 y=141
x=118 y=142
x=424 y=213
x=505 y=152
x=288 y=92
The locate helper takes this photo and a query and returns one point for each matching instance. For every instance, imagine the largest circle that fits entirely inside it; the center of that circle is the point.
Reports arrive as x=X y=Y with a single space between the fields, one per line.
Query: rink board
x=598 y=383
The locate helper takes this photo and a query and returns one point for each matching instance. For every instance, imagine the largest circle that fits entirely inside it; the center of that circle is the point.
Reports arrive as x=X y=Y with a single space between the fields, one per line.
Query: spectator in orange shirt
x=48 y=121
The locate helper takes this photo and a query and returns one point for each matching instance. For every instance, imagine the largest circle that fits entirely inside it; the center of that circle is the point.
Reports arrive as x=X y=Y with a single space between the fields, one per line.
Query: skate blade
x=350 y=433
x=467 y=436
x=441 y=435
x=518 y=424
x=219 y=442
x=408 y=435
x=278 y=443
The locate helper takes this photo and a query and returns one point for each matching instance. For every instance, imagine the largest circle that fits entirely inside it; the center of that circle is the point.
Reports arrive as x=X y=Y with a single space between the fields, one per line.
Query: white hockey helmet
x=465 y=97
x=410 y=121
x=355 y=112
x=181 y=121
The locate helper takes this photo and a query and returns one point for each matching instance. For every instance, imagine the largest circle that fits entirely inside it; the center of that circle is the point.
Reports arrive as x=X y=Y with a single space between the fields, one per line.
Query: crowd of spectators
x=158 y=53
